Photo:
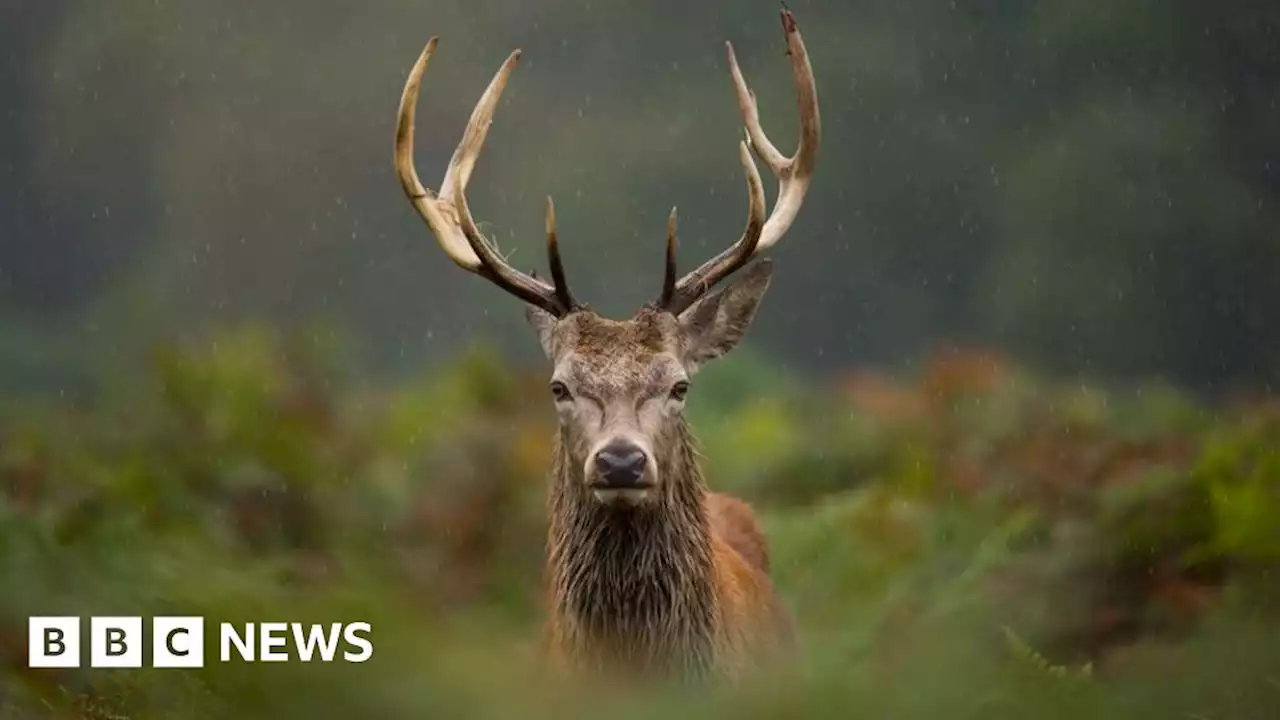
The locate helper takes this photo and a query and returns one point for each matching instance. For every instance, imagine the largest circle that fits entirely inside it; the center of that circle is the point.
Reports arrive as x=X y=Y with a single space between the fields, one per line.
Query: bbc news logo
x=178 y=642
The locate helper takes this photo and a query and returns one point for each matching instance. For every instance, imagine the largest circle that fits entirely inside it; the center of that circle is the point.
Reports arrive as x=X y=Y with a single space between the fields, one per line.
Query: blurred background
x=1008 y=410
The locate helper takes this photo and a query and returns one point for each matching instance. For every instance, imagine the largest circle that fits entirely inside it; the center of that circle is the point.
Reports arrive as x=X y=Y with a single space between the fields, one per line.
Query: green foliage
x=1240 y=471
x=972 y=542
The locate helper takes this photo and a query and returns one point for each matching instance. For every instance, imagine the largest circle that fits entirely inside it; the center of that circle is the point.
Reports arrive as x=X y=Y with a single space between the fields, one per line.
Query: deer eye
x=679 y=390
x=560 y=391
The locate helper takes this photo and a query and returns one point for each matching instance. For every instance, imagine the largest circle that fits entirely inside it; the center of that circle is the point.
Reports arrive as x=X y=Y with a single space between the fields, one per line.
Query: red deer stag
x=649 y=573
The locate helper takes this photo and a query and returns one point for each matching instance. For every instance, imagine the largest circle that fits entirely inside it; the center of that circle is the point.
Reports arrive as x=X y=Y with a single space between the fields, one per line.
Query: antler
x=793 y=173
x=447 y=214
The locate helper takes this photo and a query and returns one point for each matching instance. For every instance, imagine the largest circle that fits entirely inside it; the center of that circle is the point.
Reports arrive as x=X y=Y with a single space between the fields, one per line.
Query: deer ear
x=717 y=322
x=544 y=323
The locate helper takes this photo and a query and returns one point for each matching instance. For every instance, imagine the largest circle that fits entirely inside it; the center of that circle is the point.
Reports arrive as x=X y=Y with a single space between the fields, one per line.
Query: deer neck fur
x=633 y=588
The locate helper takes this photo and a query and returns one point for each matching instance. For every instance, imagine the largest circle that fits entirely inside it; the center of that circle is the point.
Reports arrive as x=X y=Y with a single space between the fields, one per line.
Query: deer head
x=619 y=386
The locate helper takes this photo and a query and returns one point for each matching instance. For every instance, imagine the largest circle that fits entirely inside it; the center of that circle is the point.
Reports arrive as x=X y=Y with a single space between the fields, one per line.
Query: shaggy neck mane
x=633 y=586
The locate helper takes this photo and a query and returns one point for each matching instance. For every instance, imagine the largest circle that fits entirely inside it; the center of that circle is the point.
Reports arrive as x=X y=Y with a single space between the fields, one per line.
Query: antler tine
x=448 y=215
x=553 y=259
x=695 y=284
x=669 y=273
x=794 y=174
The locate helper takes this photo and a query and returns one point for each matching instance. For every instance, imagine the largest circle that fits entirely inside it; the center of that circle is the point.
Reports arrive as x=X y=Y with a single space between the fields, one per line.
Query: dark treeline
x=1090 y=185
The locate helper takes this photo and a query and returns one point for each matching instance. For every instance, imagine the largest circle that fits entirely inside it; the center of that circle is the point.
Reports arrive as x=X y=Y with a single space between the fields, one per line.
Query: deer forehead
x=618 y=357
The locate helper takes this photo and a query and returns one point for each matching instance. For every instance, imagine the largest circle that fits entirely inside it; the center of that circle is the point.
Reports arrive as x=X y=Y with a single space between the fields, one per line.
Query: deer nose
x=621 y=465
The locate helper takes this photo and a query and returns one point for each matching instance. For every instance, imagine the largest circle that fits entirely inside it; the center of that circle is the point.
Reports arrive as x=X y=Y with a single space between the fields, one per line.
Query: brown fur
x=733 y=520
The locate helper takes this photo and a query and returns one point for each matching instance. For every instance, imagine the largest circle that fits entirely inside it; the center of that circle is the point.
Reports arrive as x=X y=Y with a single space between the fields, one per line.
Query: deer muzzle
x=621 y=466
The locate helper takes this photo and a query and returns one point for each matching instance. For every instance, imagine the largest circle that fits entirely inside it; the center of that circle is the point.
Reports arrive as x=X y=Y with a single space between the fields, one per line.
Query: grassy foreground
x=973 y=542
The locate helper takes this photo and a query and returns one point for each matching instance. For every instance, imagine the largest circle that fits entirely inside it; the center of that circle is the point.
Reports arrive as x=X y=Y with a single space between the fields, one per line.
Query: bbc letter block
x=115 y=642
x=53 y=642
